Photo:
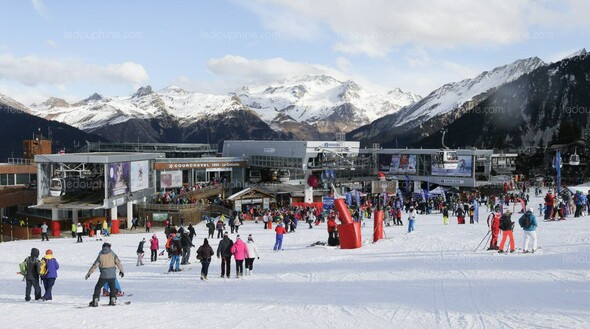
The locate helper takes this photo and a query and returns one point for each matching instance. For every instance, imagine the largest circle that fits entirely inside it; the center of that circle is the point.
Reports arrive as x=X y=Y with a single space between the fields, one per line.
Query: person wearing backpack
x=506 y=226
x=49 y=267
x=528 y=222
x=31 y=274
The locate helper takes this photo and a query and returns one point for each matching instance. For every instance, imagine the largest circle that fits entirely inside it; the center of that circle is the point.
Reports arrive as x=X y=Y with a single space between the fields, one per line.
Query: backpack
x=505 y=223
x=43 y=270
x=525 y=221
x=23 y=267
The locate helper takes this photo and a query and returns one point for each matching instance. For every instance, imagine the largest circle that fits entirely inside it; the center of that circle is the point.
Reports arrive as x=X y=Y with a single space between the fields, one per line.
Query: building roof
x=98 y=157
x=250 y=193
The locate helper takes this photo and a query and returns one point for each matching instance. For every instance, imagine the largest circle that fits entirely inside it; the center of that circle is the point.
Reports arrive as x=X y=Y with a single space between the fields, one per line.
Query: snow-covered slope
x=453 y=95
x=431 y=278
x=308 y=100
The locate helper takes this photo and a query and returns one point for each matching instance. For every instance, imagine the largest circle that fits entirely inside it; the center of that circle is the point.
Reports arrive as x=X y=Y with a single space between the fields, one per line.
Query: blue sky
x=71 y=49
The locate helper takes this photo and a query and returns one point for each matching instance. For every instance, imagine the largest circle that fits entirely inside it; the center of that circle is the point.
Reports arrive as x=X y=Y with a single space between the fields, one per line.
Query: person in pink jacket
x=154 y=246
x=240 y=252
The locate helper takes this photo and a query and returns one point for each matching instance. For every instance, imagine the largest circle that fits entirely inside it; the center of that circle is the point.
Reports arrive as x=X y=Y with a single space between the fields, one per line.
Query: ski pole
x=482 y=240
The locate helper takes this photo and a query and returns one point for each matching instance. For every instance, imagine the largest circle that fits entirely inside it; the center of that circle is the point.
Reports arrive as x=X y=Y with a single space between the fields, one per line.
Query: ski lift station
x=93 y=182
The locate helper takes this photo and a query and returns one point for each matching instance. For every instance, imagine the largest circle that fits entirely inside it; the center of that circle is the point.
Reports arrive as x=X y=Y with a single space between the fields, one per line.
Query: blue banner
x=328 y=202
x=348 y=199
x=475 y=210
x=357 y=196
x=558 y=169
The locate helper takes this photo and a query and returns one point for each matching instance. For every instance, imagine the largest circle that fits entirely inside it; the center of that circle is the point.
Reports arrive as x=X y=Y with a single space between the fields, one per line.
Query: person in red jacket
x=280 y=231
x=494 y=226
x=549 y=205
x=331 y=227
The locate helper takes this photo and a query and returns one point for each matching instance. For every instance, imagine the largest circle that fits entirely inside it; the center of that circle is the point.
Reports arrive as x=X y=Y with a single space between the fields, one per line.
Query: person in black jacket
x=224 y=251
x=32 y=276
x=186 y=244
x=460 y=215
x=140 y=252
x=191 y=231
x=204 y=254
x=507 y=226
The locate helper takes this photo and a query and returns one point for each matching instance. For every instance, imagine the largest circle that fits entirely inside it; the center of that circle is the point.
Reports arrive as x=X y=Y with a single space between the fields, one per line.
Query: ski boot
x=500 y=251
x=94 y=303
x=113 y=301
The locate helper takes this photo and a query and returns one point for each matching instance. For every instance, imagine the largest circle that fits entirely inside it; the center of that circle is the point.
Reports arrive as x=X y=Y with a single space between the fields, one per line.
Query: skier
x=240 y=252
x=107 y=262
x=280 y=231
x=224 y=252
x=507 y=226
x=398 y=217
x=445 y=213
x=140 y=252
x=49 y=266
x=204 y=254
x=494 y=227
x=32 y=275
x=44 y=228
x=528 y=222
x=411 y=219
x=253 y=252
x=154 y=246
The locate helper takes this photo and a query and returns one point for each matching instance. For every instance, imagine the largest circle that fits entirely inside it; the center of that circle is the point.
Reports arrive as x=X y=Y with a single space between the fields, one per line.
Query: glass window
x=10 y=179
x=22 y=179
x=3 y=180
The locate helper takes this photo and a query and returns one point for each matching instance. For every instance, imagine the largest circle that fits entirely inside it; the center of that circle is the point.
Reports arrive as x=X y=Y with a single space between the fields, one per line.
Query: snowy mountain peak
x=5 y=100
x=143 y=91
x=96 y=97
x=55 y=102
x=451 y=96
x=173 y=90
x=581 y=52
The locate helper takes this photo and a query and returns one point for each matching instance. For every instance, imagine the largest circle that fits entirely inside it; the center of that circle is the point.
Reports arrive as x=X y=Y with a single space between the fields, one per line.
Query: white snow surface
x=431 y=278
x=452 y=95
x=306 y=99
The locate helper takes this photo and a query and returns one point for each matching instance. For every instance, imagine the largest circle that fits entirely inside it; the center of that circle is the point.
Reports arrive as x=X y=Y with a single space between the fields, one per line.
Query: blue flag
x=558 y=169
x=475 y=211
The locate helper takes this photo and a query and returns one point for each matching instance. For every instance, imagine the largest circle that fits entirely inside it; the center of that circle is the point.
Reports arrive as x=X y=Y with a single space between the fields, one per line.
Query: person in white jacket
x=253 y=252
x=411 y=219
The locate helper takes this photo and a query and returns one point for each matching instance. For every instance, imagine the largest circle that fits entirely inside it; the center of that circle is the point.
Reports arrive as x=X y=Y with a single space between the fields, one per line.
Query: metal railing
x=20 y=161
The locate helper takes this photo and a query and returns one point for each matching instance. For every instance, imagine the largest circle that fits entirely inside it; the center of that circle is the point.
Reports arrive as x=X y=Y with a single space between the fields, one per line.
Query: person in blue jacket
x=49 y=267
x=528 y=222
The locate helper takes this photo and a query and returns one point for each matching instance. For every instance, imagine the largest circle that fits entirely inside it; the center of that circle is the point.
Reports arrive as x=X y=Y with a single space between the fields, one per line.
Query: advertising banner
x=139 y=175
x=464 y=168
x=159 y=217
x=118 y=176
x=170 y=179
x=403 y=164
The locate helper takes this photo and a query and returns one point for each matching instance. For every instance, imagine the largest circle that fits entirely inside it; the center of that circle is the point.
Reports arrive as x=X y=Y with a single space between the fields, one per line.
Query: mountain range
x=312 y=107
x=523 y=103
x=515 y=105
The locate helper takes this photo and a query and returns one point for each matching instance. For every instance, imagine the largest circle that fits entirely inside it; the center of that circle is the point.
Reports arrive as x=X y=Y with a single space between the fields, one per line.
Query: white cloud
x=267 y=70
x=39 y=7
x=377 y=27
x=343 y=63
x=33 y=70
x=52 y=43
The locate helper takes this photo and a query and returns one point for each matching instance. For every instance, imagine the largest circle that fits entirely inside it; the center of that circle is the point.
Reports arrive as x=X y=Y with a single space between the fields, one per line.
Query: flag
x=348 y=199
x=358 y=198
x=558 y=169
x=475 y=210
x=407 y=184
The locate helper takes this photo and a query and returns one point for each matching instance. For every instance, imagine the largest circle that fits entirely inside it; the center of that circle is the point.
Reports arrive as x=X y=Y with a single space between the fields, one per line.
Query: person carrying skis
x=204 y=254
x=107 y=262
x=240 y=252
x=528 y=222
x=224 y=252
x=32 y=275
x=494 y=227
x=506 y=226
